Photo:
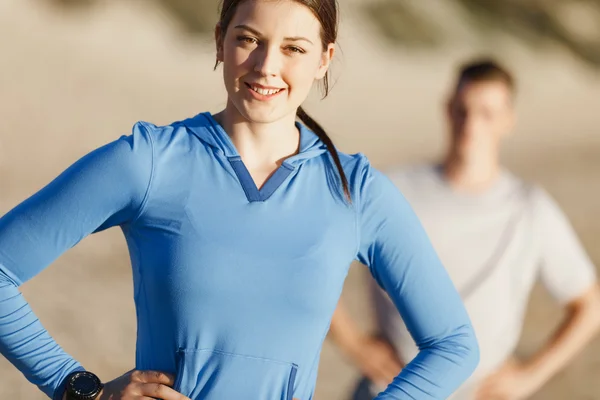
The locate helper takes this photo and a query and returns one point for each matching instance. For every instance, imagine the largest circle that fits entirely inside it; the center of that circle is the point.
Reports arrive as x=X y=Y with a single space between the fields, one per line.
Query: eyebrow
x=257 y=33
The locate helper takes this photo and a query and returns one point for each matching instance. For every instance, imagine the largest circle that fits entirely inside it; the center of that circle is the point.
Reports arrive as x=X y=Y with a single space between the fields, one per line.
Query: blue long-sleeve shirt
x=234 y=286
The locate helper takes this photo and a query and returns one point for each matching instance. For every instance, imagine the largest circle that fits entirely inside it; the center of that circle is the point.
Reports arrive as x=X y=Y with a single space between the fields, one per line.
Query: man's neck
x=472 y=175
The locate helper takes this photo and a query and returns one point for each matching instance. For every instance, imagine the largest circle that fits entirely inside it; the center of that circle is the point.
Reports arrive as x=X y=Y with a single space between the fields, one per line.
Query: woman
x=241 y=227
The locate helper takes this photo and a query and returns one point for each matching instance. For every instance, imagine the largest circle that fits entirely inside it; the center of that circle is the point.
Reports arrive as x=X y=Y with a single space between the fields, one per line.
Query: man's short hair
x=484 y=70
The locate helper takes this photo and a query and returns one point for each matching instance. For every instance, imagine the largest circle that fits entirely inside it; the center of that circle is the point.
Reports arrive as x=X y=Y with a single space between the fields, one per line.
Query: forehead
x=489 y=93
x=278 y=18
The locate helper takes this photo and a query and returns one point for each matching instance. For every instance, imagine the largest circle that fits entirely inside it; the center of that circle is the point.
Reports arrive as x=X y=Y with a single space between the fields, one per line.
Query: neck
x=473 y=174
x=260 y=143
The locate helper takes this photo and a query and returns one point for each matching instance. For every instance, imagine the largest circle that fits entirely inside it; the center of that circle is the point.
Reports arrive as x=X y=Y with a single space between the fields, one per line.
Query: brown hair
x=484 y=70
x=326 y=11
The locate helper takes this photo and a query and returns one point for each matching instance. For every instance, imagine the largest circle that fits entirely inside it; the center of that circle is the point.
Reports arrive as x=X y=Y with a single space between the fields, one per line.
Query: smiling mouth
x=263 y=91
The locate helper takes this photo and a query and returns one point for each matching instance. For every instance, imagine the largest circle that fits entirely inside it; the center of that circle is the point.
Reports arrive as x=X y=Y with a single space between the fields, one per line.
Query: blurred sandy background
x=73 y=80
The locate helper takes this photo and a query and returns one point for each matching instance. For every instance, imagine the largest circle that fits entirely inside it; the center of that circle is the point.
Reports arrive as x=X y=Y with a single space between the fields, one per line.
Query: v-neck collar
x=310 y=146
x=253 y=193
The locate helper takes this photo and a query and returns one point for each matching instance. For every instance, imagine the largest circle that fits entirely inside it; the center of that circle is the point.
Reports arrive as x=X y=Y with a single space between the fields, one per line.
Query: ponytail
x=320 y=132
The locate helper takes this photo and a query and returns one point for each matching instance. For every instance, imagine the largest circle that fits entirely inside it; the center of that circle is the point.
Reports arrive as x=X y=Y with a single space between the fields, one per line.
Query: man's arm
x=570 y=276
x=581 y=324
x=375 y=357
x=519 y=380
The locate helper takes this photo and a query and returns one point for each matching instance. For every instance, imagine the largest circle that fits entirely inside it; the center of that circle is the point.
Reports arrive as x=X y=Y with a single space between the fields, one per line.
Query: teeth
x=265 y=92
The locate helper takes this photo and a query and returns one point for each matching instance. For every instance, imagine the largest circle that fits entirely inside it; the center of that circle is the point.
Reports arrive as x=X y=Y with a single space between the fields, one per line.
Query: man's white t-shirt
x=494 y=246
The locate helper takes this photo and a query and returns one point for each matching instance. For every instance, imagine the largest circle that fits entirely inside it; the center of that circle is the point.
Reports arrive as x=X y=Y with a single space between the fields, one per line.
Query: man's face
x=480 y=114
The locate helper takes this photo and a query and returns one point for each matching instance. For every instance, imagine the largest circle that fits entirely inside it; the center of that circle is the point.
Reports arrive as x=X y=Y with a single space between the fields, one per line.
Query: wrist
x=99 y=397
x=82 y=385
x=535 y=372
x=60 y=392
x=356 y=345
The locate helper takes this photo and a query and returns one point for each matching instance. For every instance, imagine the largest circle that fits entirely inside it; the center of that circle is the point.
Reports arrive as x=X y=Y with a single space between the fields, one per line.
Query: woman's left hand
x=511 y=382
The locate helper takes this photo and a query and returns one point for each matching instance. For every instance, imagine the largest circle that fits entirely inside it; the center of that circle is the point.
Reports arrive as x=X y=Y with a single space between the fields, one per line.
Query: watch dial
x=85 y=385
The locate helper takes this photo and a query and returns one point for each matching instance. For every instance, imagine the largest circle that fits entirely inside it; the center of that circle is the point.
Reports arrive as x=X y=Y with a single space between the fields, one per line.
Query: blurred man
x=495 y=234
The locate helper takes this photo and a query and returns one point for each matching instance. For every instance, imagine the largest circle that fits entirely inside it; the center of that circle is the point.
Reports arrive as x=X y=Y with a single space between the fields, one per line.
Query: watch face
x=84 y=384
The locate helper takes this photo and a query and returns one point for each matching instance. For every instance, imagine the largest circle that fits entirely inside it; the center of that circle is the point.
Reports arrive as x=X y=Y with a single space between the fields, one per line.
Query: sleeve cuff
x=60 y=390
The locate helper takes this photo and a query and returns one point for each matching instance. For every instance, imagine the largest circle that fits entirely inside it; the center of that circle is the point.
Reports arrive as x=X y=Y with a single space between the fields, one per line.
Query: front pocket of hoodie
x=217 y=375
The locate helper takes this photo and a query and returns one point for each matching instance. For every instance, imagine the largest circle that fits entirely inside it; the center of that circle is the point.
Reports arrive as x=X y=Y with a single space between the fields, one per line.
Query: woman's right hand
x=141 y=385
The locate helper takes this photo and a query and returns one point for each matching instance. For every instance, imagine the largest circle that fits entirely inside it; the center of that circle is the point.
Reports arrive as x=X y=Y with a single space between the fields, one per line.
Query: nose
x=467 y=124
x=470 y=125
x=268 y=61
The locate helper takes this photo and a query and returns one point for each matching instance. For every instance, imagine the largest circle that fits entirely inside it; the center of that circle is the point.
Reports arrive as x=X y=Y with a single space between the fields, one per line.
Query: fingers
x=160 y=391
x=150 y=385
x=381 y=375
x=389 y=366
x=393 y=366
x=153 y=377
x=391 y=372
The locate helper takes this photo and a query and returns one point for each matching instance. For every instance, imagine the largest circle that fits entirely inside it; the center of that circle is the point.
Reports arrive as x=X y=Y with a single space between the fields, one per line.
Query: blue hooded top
x=234 y=286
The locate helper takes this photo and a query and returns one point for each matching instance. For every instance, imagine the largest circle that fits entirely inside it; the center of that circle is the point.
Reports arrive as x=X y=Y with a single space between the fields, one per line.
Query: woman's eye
x=295 y=49
x=247 y=39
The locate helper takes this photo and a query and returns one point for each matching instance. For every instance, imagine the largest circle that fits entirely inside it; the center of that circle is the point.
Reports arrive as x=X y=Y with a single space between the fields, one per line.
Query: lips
x=263 y=90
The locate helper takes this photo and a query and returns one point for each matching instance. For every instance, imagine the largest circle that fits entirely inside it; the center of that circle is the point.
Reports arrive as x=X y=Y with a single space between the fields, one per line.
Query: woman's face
x=272 y=54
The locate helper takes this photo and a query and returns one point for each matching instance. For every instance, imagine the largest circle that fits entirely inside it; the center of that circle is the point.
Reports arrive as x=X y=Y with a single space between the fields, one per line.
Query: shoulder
x=535 y=197
x=353 y=164
x=529 y=191
x=180 y=135
x=161 y=135
x=365 y=180
x=401 y=177
x=514 y=183
x=545 y=206
x=358 y=167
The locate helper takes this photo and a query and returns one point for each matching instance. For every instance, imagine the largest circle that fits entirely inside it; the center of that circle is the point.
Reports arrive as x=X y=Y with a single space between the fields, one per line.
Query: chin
x=261 y=114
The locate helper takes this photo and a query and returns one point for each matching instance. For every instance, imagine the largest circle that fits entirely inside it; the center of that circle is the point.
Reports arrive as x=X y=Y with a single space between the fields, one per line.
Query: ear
x=510 y=123
x=326 y=58
x=219 y=42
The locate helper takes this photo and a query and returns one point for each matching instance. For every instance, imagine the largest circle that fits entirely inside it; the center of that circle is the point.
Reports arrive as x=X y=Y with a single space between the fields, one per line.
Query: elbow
x=591 y=309
x=472 y=356
x=587 y=308
x=462 y=348
x=8 y=286
x=6 y=278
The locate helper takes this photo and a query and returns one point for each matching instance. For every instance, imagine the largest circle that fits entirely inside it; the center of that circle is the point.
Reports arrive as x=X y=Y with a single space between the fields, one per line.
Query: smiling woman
x=241 y=228
x=282 y=59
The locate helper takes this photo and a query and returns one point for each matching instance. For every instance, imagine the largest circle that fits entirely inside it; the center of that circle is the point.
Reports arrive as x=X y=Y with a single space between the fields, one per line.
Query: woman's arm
x=105 y=188
x=402 y=260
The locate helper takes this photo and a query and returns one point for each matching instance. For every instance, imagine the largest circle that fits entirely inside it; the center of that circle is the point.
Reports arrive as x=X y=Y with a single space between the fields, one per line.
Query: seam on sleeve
x=358 y=207
x=151 y=180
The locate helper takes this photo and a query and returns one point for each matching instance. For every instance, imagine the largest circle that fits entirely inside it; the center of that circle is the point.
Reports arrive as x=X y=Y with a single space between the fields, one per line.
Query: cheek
x=236 y=61
x=300 y=73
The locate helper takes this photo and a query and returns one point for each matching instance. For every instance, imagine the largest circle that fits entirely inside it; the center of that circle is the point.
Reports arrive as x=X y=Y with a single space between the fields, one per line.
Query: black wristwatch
x=83 y=385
